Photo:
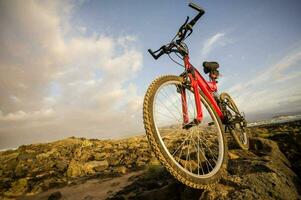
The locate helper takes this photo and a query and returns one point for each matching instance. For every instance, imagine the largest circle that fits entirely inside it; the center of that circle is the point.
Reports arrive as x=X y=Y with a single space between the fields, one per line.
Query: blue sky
x=251 y=35
x=256 y=32
x=76 y=68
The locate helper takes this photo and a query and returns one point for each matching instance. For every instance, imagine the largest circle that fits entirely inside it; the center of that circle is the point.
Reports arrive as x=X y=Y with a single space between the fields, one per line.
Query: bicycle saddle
x=210 y=66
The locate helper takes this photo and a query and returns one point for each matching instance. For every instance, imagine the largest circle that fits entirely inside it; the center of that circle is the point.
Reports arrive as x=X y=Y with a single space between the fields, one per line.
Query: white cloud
x=273 y=89
x=22 y=116
x=92 y=76
x=210 y=43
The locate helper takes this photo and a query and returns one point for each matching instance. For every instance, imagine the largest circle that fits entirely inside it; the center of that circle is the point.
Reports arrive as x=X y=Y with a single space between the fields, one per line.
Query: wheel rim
x=237 y=128
x=205 y=159
x=241 y=133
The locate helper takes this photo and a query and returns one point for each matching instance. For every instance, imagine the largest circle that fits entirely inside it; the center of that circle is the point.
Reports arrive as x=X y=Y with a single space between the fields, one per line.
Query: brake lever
x=187 y=18
x=191 y=30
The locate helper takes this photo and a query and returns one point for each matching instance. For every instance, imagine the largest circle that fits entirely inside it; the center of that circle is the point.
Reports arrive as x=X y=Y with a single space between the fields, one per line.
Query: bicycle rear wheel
x=196 y=156
x=237 y=124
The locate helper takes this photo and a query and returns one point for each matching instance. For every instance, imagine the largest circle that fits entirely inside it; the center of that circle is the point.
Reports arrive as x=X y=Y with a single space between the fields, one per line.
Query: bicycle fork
x=198 y=118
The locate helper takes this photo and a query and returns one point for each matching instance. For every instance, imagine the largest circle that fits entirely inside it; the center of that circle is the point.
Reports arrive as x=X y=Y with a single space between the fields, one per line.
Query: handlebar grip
x=196 y=7
x=151 y=53
x=196 y=18
x=154 y=55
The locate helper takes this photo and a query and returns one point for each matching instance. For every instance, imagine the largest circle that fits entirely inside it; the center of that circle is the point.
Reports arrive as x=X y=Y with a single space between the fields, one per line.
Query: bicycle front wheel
x=196 y=156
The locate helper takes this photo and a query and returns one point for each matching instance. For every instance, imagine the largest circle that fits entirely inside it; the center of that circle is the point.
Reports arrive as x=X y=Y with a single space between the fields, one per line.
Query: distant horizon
x=81 y=68
x=135 y=134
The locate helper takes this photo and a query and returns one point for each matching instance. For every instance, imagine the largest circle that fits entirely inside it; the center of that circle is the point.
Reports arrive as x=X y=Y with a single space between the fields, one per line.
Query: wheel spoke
x=172 y=102
x=206 y=156
x=180 y=145
x=169 y=110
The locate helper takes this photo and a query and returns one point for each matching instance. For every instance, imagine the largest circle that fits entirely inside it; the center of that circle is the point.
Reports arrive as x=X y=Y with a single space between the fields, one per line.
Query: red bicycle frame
x=207 y=87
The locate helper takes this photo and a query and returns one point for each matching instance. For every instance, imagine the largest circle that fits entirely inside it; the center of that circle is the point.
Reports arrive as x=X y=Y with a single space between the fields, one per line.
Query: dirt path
x=93 y=189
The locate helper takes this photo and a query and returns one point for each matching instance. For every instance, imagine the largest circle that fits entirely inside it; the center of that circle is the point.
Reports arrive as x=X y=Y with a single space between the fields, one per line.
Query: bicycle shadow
x=157 y=183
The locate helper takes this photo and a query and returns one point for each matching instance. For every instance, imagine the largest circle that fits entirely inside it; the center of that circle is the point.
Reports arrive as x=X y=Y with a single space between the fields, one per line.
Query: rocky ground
x=78 y=168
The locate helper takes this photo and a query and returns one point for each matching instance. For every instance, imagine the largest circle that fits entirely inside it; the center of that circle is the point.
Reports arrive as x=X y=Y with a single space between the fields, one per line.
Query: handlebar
x=196 y=18
x=181 y=33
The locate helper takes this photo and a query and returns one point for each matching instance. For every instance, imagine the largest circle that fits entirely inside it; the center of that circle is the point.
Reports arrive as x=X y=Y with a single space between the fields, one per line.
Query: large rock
x=261 y=173
x=18 y=188
x=75 y=169
x=100 y=156
x=120 y=170
x=95 y=166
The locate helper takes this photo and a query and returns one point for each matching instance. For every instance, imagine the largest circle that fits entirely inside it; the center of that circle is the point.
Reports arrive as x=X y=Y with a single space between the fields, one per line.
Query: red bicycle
x=185 y=118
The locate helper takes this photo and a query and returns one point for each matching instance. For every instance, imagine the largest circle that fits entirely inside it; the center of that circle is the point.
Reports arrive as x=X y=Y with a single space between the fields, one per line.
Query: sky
x=81 y=68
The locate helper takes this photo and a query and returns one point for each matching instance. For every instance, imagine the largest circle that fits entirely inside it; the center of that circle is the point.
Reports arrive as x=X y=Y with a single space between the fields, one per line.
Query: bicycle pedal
x=210 y=123
x=191 y=124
